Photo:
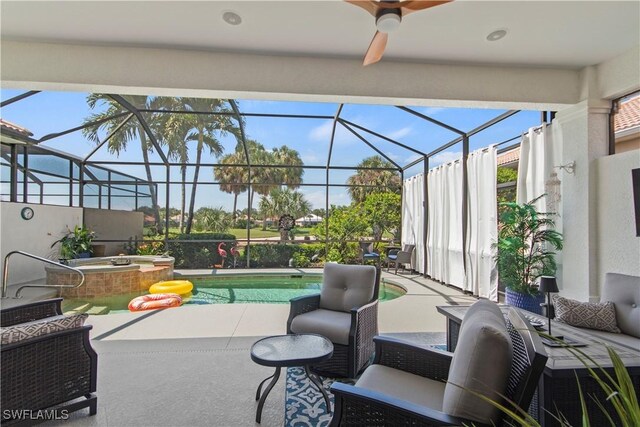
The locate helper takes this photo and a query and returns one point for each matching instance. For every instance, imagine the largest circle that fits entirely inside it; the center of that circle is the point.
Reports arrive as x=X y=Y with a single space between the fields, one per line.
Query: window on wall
x=625 y=123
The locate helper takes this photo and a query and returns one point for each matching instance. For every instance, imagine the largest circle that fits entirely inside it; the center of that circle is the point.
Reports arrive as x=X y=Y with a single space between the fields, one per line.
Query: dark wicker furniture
x=290 y=350
x=557 y=389
x=347 y=360
x=355 y=406
x=54 y=370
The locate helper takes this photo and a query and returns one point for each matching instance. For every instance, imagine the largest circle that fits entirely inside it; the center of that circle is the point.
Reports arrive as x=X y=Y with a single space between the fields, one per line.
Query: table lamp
x=548 y=284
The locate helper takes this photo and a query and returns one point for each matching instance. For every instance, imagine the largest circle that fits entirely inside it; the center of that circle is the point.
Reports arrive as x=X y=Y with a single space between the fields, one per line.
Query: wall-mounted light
x=569 y=168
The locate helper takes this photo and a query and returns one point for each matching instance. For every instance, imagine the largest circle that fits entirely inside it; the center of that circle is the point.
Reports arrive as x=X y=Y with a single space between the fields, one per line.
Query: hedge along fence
x=265 y=255
x=198 y=254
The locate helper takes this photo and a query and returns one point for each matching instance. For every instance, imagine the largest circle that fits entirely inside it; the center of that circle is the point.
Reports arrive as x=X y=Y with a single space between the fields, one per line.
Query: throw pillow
x=592 y=315
x=24 y=331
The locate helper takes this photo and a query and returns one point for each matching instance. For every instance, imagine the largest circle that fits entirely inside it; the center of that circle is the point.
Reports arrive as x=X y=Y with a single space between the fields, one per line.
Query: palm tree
x=215 y=220
x=284 y=201
x=292 y=176
x=131 y=131
x=376 y=179
x=175 y=132
x=204 y=129
x=233 y=179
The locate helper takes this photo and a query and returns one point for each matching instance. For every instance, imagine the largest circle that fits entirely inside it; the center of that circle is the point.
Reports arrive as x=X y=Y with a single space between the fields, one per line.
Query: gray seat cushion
x=403 y=385
x=347 y=286
x=624 y=292
x=332 y=324
x=481 y=362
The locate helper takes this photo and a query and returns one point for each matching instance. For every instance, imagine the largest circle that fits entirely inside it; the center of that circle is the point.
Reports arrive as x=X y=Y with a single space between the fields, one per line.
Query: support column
x=584 y=132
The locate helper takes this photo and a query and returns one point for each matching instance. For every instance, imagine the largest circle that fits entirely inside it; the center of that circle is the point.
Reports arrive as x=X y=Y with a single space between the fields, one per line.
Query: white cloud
x=400 y=133
x=446 y=157
x=392 y=156
x=431 y=111
x=413 y=157
x=310 y=158
x=322 y=132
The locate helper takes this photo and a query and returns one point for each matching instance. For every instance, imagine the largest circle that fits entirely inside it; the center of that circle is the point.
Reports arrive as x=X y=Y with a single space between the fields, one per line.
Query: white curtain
x=538 y=156
x=444 y=236
x=540 y=153
x=413 y=218
x=482 y=224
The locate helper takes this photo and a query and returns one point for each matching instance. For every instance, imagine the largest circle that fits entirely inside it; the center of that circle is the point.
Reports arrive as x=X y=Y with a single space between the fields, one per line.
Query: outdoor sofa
x=48 y=365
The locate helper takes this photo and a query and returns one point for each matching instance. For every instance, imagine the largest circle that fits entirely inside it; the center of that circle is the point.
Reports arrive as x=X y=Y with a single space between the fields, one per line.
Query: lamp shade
x=548 y=284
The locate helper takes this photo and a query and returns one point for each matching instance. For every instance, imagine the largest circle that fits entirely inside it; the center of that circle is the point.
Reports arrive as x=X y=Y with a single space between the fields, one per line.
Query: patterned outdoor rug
x=304 y=404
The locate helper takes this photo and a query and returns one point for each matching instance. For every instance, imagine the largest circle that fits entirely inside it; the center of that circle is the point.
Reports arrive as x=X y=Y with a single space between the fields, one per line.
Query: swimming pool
x=240 y=289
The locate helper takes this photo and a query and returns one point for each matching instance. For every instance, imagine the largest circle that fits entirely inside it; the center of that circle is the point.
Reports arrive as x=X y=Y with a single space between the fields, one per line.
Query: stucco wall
x=114 y=225
x=618 y=246
x=49 y=223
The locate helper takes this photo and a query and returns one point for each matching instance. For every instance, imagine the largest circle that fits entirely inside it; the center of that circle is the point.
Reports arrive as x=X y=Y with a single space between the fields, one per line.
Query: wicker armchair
x=400 y=258
x=425 y=370
x=57 y=369
x=355 y=313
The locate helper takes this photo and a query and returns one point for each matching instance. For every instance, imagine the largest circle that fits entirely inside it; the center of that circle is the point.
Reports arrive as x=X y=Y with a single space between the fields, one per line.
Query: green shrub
x=266 y=255
x=300 y=260
x=198 y=254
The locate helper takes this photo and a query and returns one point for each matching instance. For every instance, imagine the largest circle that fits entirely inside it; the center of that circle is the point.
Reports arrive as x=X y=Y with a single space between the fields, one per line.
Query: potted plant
x=526 y=249
x=76 y=243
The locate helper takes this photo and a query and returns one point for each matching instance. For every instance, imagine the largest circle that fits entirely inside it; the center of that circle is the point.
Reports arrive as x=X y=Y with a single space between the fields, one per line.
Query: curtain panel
x=482 y=224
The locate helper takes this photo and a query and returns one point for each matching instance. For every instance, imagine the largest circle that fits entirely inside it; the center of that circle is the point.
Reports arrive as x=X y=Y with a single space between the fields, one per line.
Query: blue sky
x=49 y=112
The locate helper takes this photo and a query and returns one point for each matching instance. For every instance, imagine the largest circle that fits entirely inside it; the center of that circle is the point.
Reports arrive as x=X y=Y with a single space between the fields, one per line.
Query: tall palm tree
x=232 y=179
x=292 y=176
x=376 y=179
x=175 y=132
x=204 y=129
x=131 y=131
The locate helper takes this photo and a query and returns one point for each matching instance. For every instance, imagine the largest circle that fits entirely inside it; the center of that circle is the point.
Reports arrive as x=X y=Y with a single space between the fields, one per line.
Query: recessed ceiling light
x=496 y=35
x=231 y=18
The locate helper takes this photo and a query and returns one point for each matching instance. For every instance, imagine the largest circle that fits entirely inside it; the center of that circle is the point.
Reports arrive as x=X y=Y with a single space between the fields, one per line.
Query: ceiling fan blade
x=369 y=5
x=376 y=48
x=411 y=6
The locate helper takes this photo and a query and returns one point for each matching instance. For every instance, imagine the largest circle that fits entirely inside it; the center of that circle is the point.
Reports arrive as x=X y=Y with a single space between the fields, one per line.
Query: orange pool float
x=155 y=301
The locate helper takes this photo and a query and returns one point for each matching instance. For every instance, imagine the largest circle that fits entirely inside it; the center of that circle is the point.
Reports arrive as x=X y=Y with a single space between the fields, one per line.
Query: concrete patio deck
x=191 y=366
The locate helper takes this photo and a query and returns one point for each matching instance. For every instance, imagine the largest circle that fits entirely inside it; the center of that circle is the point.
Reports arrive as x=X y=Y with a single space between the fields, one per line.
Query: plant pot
x=83 y=255
x=524 y=301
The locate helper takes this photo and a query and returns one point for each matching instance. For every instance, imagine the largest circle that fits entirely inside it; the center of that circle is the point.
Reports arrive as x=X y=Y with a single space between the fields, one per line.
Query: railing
x=5 y=276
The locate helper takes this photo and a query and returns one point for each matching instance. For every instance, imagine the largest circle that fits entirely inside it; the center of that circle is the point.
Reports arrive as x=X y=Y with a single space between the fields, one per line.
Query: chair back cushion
x=347 y=286
x=481 y=363
x=624 y=292
x=36 y=328
x=408 y=248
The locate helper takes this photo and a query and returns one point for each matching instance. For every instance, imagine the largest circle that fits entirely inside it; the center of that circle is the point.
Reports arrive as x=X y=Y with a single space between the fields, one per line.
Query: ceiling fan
x=388 y=16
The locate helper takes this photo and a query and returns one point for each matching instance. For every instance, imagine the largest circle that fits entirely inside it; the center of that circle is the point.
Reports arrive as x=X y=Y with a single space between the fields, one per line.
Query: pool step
x=98 y=310
x=79 y=309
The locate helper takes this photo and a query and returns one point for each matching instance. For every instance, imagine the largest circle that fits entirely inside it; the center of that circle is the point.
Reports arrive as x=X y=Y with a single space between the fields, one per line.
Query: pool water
x=227 y=290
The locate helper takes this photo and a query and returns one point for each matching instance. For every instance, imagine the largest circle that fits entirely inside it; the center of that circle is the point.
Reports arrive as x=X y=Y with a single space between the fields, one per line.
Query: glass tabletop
x=291 y=350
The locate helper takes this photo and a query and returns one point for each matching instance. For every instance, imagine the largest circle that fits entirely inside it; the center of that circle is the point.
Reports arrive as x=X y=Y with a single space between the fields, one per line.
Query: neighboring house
x=13 y=134
x=627 y=124
x=626 y=132
x=308 y=220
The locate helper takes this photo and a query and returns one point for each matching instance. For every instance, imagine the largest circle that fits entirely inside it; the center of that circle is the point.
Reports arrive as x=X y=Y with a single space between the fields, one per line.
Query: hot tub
x=102 y=278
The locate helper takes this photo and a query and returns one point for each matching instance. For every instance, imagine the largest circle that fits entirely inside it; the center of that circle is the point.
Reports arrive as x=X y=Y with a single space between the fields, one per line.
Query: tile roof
x=628 y=115
x=509 y=156
x=14 y=128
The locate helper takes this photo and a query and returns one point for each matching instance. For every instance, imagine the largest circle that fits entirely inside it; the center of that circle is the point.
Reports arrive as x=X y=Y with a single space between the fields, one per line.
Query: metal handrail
x=5 y=275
